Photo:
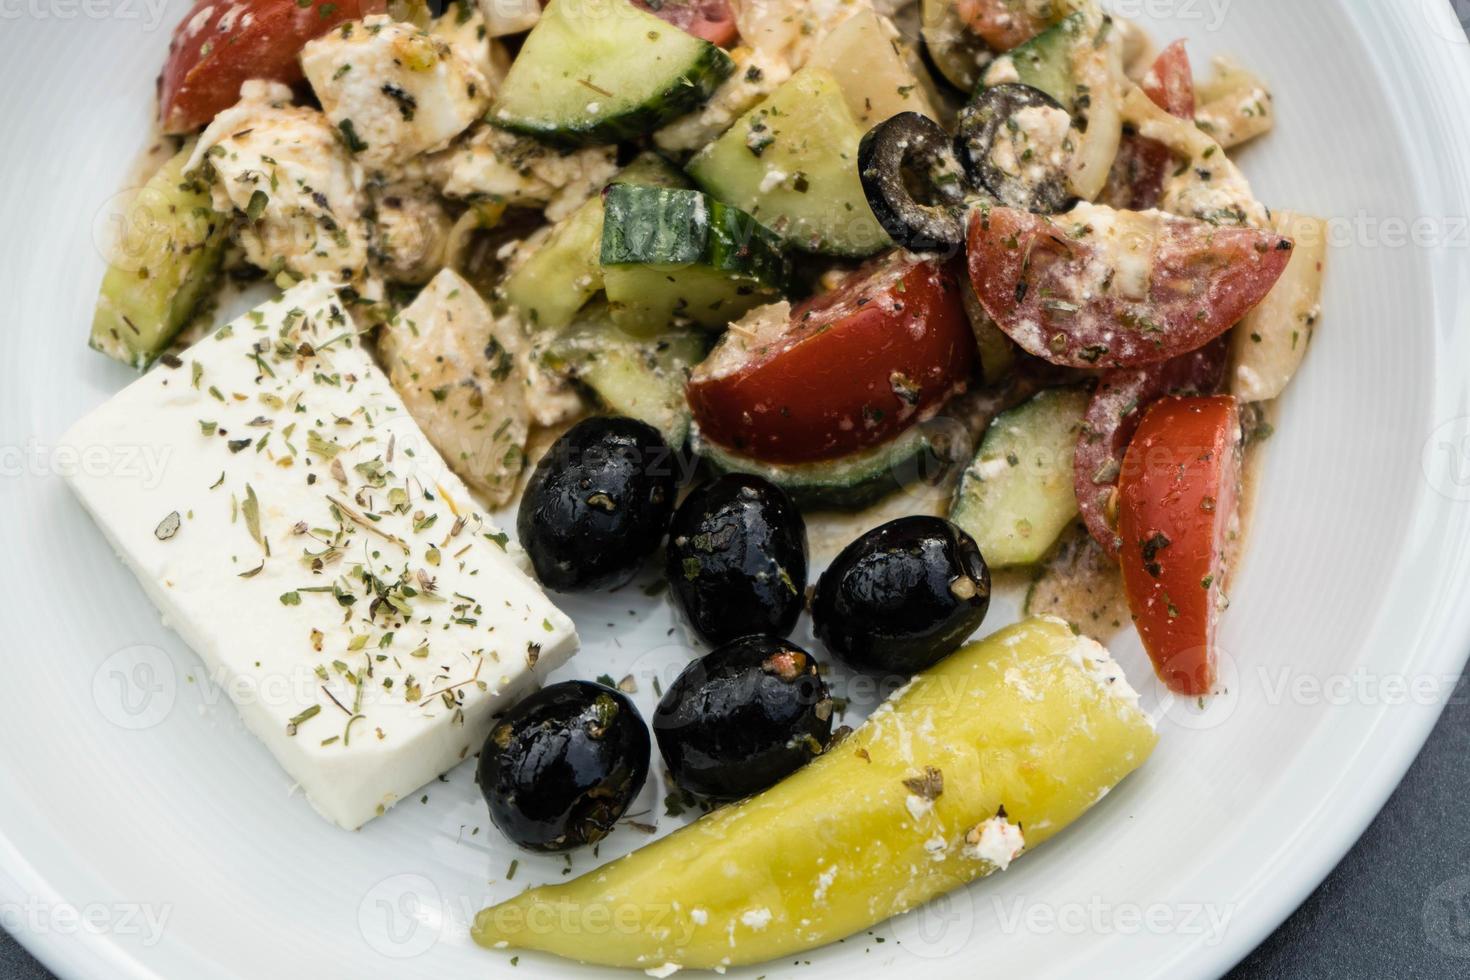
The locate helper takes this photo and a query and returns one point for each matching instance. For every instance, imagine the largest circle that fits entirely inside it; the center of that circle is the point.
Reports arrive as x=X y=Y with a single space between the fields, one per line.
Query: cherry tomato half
x=1100 y=288
x=1170 y=82
x=851 y=369
x=1177 y=516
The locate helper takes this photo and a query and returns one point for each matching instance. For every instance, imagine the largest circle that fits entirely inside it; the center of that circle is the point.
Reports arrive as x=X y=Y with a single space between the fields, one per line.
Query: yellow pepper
x=992 y=751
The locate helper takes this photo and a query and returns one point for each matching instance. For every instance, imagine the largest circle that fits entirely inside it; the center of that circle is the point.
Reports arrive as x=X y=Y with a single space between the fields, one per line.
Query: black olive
x=737 y=559
x=906 y=155
x=903 y=596
x=597 y=505
x=560 y=769
x=743 y=717
x=989 y=118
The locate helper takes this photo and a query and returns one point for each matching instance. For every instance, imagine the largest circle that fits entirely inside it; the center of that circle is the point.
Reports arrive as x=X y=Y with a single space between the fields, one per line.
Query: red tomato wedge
x=1101 y=288
x=1177 y=516
x=712 y=20
x=221 y=44
x=1002 y=24
x=849 y=370
x=1170 y=82
x=1136 y=182
x=1112 y=417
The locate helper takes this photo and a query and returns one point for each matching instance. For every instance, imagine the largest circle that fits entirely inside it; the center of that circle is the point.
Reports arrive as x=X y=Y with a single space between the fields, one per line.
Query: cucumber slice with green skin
x=850 y=483
x=564 y=273
x=1016 y=497
x=677 y=255
x=791 y=162
x=642 y=378
x=601 y=71
x=164 y=263
x=1045 y=61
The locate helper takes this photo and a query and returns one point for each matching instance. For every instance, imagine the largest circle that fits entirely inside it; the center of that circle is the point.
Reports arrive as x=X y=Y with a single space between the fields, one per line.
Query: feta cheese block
x=303 y=536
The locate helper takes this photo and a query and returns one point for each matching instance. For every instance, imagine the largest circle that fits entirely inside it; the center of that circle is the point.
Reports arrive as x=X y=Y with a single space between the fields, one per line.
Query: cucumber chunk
x=670 y=254
x=564 y=273
x=600 y=71
x=640 y=377
x=850 y=483
x=1016 y=497
x=1045 y=61
x=164 y=263
x=791 y=162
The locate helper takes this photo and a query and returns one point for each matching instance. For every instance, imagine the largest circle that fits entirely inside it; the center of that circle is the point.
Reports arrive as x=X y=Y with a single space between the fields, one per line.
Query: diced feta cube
x=328 y=568
x=402 y=90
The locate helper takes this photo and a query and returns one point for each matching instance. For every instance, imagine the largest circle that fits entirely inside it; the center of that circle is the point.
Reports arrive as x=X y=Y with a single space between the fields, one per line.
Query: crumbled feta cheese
x=492 y=163
x=824 y=882
x=1018 y=683
x=285 y=168
x=1002 y=71
x=755 y=918
x=996 y=841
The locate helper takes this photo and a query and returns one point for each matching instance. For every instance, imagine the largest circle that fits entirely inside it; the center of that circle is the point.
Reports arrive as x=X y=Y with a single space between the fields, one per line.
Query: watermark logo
x=1446 y=19
x=1200 y=713
x=136 y=687
x=938 y=929
x=1447 y=917
x=401 y=917
x=1445 y=459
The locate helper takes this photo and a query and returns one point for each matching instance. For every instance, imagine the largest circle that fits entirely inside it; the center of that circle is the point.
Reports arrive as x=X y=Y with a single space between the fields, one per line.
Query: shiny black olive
x=597 y=505
x=560 y=769
x=913 y=183
x=988 y=119
x=743 y=717
x=903 y=596
x=737 y=559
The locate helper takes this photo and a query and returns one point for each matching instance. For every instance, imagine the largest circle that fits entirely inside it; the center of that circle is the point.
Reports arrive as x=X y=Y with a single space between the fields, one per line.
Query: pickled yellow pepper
x=993 y=751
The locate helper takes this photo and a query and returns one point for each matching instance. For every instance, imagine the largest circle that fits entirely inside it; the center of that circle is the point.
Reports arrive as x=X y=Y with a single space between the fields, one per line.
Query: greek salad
x=938 y=295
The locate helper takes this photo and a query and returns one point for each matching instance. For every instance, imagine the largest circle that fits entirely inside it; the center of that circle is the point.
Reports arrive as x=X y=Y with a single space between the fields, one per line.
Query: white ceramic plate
x=145 y=834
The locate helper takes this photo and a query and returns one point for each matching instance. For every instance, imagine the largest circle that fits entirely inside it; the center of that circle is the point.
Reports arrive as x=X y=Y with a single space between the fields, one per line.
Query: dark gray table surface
x=1397 y=908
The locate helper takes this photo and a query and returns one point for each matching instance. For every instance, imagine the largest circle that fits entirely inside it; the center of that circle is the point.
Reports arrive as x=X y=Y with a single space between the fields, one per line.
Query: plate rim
x=1427 y=66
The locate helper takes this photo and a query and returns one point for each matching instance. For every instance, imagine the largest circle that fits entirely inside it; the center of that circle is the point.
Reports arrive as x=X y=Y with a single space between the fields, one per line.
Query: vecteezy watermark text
x=147 y=12
x=143 y=463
